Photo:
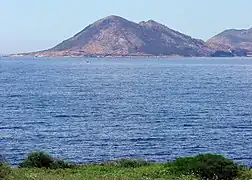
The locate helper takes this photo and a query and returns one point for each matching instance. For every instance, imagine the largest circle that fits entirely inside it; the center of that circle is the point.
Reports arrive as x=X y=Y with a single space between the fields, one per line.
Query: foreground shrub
x=207 y=167
x=132 y=163
x=38 y=160
x=43 y=160
x=4 y=168
x=127 y=163
x=2 y=160
x=59 y=164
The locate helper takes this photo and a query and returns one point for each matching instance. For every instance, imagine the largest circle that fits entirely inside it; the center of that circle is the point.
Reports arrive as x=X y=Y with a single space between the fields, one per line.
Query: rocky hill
x=233 y=39
x=116 y=36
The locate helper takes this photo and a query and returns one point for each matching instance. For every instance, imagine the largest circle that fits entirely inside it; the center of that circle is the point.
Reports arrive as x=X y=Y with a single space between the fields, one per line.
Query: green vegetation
x=43 y=160
x=127 y=163
x=96 y=172
x=42 y=166
x=5 y=169
x=208 y=166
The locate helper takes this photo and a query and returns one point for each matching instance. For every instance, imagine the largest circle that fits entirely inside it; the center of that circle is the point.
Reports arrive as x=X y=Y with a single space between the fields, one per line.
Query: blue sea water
x=154 y=109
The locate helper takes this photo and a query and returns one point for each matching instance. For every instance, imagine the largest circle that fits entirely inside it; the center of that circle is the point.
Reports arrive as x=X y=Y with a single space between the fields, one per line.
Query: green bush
x=43 y=160
x=4 y=168
x=59 y=164
x=38 y=160
x=206 y=167
x=2 y=160
x=128 y=163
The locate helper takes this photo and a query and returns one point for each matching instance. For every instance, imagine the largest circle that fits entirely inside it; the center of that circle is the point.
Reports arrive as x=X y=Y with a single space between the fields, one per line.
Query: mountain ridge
x=116 y=36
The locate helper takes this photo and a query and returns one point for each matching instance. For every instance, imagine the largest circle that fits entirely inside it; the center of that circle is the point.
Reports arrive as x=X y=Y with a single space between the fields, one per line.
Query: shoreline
x=109 y=57
x=123 y=57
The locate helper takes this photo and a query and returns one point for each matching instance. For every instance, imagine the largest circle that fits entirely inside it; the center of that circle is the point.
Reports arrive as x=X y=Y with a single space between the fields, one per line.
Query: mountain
x=116 y=36
x=233 y=39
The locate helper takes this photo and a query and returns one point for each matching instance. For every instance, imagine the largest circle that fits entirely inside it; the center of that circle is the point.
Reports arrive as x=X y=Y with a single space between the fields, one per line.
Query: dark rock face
x=234 y=39
x=240 y=52
x=222 y=54
x=116 y=36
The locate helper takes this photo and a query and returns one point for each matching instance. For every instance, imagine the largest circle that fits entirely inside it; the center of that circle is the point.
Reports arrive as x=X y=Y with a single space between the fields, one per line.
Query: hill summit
x=116 y=36
x=234 y=39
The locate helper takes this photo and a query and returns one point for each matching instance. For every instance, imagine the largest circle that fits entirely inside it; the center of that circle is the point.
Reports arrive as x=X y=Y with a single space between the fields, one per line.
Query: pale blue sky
x=30 y=25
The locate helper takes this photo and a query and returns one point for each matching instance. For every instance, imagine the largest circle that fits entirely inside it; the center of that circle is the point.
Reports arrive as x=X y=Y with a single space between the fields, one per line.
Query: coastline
x=122 y=57
x=102 y=56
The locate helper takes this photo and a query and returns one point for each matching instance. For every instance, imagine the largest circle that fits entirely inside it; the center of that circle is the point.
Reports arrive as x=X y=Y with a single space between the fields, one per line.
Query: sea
x=88 y=110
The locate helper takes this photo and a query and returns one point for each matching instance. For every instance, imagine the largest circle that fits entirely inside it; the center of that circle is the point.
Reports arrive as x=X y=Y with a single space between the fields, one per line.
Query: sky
x=31 y=25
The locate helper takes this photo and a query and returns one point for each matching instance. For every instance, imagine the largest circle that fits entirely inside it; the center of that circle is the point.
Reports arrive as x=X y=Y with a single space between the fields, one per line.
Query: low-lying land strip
x=42 y=166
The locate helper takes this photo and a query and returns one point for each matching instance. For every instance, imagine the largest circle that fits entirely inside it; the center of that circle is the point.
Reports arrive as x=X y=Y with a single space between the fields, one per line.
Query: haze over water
x=155 y=109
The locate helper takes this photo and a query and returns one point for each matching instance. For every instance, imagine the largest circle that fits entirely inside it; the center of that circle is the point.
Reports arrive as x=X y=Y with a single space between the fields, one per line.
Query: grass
x=100 y=172
x=97 y=172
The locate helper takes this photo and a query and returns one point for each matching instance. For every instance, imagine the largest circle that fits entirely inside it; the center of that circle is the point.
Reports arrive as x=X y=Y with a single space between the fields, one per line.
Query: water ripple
x=138 y=108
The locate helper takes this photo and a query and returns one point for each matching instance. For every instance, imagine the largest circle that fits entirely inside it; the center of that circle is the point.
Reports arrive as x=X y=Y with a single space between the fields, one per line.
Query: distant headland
x=115 y=36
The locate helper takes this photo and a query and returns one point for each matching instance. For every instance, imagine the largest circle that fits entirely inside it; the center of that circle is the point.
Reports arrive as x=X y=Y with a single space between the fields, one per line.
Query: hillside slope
x=116 y=36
